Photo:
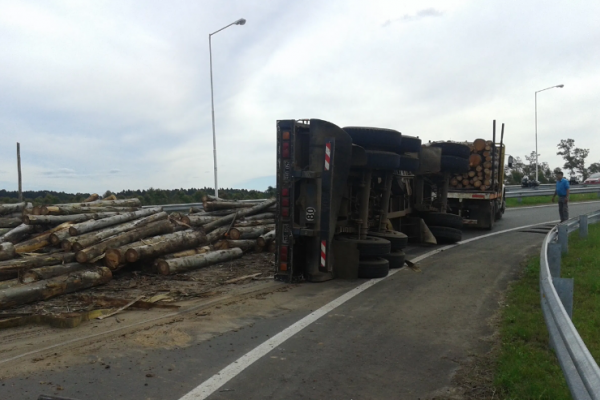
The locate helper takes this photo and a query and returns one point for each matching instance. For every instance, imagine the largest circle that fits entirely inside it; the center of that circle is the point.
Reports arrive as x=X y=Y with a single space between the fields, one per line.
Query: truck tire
x=453 y=149
x=382 y=160
x=410 y=144
x=443 y=219
x=408 y=163
x=443 y=234
x=454 y=164
x=375 y=138
x=370 y=268
x=398 y=240
x=396 y=259
x=369 y=246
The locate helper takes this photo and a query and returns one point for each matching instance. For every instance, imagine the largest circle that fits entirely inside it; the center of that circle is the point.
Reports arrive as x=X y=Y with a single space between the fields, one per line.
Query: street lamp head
x=240 y=21
x=560 y=86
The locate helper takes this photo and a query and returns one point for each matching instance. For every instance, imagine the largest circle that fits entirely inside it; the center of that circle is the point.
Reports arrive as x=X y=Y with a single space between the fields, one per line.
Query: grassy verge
x=538 y=200
x=526 y=367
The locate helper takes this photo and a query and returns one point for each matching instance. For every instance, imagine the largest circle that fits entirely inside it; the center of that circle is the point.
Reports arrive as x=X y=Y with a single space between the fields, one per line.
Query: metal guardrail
x=556 y=294
x=550 y=192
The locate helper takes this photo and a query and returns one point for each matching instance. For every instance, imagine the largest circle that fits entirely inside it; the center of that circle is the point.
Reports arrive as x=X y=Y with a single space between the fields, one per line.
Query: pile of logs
x=46 y=251
x=483 y=164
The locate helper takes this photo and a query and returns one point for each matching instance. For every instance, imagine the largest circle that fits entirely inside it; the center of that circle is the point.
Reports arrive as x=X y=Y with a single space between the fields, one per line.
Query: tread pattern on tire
x=396 y=259
x=398 y=240
x=378 y=138
x=443 y=234
x=454 y=164
x=370 y=268
x=370 y=246
x=385 y=160
x=443 y=219
x=408 y=163
x=453 y=149
x=410 y=144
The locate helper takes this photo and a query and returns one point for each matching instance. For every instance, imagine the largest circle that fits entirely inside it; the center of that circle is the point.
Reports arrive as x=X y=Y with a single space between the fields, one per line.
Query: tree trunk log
x=171 y=243
x=38 y=274
x=250 y=232
x=106 y=203
x=225 y=205
x=73 y=210
x=10 y=222
x=90 y=226
x=242 y=213
x=245 y=245
x=4 y=230
x=53 y=287
x=267 y=215
x=7 y=251
x=59 y=219
x=185 y=264
x=93 y=197
x=78 y=243
x=186 y=253
x=216 y=234
x=9 y=283
x=255 y=222
x=41 y=240
x=265 y=239
x=11 y=208
x=10 y=269
x=155 y=228
x=197 y=220
x=16 y=234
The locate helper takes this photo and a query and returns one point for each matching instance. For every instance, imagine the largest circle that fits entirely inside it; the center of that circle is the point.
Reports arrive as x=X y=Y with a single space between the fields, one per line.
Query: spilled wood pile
x=483 y=165
x=47 y=251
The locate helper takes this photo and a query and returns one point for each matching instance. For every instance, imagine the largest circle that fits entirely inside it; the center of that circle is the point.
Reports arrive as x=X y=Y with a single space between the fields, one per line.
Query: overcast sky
x=112 y=95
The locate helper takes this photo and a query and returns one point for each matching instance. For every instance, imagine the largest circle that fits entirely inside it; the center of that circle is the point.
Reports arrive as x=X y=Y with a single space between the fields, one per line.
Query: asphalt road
x=402 y=338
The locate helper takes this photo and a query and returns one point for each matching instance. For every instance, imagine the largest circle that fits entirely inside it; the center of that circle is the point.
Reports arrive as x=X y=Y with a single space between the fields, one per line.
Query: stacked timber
x=58 y=249
x=483 y=168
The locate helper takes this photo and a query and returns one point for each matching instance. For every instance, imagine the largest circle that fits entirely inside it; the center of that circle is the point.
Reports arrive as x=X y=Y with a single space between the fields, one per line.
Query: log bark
x=16 y=234
x=255 y=222
x=9 y=283
x=242 y=213
x=216 y=234
x=221 y=245
x=10 y=269
x=225 y=205
x=88 y=254
x=197 y=220
x=78 y=243
x=38 y=274
x=59 y=219
x=10 y=222
x=71 y=210
x=169 y=244
x=90 y=226
x=265 y=239
x=7 y=251
x=111 y=197
x=267 y=215
x=4 y=230
x=245 y=245
x=185 y=264
x=11 y=208
x=93 y=197
x=203 y=213
x=250 y=232
x=46 y=289
x=190 y=252
x=41 y=240
x=107 y=203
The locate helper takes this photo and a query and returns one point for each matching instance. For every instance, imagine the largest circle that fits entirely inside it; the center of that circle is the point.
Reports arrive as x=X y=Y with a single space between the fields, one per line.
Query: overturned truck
x=350 y=199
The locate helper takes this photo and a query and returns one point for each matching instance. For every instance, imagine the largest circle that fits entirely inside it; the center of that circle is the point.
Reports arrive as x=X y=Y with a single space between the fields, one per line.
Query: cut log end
x=162 y=267
x=113 y=258
x=132 y=255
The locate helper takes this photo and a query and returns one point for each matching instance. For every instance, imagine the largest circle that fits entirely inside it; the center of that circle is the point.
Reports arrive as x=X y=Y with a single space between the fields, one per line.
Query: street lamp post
x=536 y=144
x=240 y=21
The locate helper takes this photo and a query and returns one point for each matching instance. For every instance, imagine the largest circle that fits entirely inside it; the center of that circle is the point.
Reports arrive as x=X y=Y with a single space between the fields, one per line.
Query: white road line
x=215 y=382
x=572 y=203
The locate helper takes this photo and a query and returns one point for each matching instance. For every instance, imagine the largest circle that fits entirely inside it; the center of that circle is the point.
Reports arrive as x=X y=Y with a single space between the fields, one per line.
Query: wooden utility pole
x=19 y=169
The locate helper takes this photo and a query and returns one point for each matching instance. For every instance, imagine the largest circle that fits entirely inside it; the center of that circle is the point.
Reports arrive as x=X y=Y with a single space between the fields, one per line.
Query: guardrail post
x=583 y=226
x=563 y=238
x=554 y=257
x=564 y=288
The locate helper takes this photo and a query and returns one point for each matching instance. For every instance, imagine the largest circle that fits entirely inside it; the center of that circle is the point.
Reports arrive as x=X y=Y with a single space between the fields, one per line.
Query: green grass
x=526 y=367
x=537 y=200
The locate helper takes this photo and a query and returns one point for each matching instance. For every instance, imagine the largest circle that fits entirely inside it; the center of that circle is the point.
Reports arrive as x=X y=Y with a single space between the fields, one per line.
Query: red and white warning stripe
x=327 y=155
x=323 y=252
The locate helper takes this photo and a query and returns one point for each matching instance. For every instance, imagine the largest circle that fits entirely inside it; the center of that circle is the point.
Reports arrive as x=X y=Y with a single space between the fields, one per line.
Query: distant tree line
x=147 y=197
x=575 y=164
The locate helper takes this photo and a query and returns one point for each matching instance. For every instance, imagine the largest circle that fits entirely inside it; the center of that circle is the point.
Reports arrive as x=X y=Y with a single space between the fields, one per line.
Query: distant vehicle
x=574 y=180
x=593 y=179
x=526 y=182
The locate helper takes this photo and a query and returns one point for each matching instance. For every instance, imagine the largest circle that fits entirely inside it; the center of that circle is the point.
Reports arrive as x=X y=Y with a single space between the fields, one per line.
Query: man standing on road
x=563 y=191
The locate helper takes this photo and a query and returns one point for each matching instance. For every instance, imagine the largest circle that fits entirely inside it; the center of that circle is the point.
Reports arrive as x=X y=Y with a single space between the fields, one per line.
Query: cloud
x=114 y=171
x=425 y=13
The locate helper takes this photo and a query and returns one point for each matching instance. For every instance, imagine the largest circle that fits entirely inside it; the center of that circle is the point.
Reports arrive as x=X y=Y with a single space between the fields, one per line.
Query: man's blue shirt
x=562 y=186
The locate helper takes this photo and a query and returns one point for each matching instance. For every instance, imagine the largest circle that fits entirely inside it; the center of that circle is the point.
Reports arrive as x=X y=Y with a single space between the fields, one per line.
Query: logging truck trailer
x=340 y=196
x=478 y=196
